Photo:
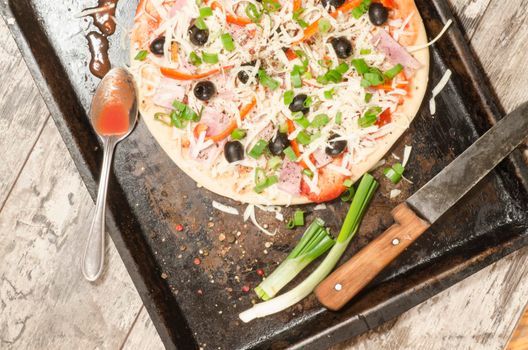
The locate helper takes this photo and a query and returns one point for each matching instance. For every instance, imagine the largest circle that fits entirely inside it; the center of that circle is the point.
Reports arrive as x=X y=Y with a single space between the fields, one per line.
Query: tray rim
x=349 y=326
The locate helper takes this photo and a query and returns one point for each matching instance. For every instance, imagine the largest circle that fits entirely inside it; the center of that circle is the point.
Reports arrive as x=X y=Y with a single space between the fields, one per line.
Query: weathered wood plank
x=45 y=303
x=470 y=13
x=477 y=313
x=20 y=121
x=501 y=42
x=143 y=334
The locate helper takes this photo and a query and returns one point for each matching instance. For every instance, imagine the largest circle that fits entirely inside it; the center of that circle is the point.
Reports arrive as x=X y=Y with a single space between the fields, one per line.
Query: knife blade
x=424 y=207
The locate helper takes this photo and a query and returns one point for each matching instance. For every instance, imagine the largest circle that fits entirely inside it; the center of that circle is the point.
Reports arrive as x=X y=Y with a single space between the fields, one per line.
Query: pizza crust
x=226 y=185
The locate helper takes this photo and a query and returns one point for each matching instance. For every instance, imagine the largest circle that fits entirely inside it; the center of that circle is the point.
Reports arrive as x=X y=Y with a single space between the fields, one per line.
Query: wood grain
x=519 y=340
x=44 y=300
x=20 y=122
x=143 y=335
x=371 y=260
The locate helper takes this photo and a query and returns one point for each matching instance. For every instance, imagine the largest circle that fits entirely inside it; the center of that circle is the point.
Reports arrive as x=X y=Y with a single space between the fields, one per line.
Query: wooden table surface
x=45 y=212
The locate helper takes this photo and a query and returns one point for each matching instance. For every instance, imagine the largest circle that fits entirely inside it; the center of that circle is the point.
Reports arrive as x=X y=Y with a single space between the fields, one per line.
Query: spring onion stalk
x=364 y=194
x=315 y=241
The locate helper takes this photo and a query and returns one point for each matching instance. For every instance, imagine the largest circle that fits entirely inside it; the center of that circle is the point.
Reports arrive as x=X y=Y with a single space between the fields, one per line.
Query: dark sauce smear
x=98 y=42
x=99 y=63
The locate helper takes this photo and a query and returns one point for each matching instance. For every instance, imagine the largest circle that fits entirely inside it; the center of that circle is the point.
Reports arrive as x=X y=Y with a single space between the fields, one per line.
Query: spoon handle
x=93 y=258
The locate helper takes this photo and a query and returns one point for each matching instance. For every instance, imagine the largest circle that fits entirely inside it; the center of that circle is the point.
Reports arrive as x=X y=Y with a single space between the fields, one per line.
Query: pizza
x=278 y=101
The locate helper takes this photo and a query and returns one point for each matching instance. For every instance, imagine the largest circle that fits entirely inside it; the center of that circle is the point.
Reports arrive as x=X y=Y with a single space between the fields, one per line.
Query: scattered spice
x=210 y=224
x=221 y=237
x=197 y=261
x=199 y=292
x=268 y=244
x=179 y=227
x=183 y=248
x=164 y=276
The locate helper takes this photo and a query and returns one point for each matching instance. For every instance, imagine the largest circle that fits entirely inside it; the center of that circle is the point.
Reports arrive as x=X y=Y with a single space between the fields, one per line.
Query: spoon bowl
x=113 y=114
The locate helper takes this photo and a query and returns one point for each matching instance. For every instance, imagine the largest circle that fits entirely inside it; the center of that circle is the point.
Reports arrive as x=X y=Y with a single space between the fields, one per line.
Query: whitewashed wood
x=20 y=121
x=45 y=303
x=501 y=43
x=477 y=313
x=143 y=334
x=470 y=13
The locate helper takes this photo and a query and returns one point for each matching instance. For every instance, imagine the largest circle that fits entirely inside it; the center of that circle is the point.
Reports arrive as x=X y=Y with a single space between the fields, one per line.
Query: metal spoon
x=117 y=86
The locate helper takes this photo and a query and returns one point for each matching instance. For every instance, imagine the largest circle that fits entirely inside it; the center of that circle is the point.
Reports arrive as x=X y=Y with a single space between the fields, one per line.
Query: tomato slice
x=330 y=183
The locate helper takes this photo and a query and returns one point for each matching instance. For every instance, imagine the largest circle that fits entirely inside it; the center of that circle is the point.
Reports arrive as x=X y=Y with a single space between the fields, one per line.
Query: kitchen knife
x=418 y=212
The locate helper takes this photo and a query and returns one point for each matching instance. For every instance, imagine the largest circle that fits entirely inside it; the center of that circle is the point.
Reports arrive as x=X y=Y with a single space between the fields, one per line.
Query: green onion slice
x=238 y=134
x=253 y=13
x=258 y=149
x=267 y=81
x=210 y=58
x=200 y=23
x=274 y=162
x=348 y=183
x=328 y=94
x=339 y=118
x=271 y=6
x=195 y=59
x=360 y=65
x=206 y=12
x=370 y=117
x=304 y=138
x=227 y=42
x=392 y=175
x=324 y=25
x=360 y=10
x=302 y=121
x=348 y=194
x=290 y=153
x=308 y=173
x=288 y=97
x=320 y=120
x=269 y=181
x=394 y=71
x=141 y=55
x=298 y=217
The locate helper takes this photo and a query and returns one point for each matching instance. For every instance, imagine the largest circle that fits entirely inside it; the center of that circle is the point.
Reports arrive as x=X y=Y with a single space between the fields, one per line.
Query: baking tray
x=197 y=305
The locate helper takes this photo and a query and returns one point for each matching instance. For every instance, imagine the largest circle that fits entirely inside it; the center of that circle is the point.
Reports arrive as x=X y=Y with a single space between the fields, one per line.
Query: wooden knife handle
x=350 y=278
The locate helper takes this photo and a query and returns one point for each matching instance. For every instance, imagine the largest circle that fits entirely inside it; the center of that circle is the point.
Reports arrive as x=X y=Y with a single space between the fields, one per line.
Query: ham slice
x=321 y=158
x=395 y=52
x=168 y=90
x=215 y=121
x=290 y=177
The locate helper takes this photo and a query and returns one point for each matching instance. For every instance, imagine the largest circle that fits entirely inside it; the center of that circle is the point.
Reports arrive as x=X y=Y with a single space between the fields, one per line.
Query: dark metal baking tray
x=197 y=305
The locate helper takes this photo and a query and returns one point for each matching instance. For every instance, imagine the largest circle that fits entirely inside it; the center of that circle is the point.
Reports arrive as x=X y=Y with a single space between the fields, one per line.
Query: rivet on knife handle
x=338 y=288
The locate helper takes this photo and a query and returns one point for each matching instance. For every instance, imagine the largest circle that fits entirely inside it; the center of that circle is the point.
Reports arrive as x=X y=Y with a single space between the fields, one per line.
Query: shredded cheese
x=421 y=47
x=437 y=89
x=225 y=208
